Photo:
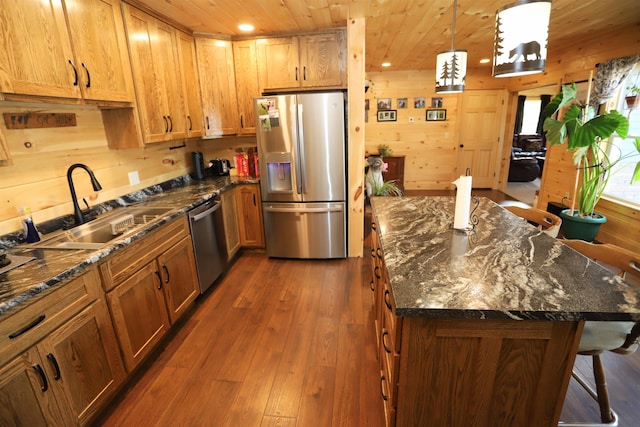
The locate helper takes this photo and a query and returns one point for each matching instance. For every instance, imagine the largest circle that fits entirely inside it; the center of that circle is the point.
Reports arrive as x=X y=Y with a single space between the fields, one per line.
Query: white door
x=483 y=115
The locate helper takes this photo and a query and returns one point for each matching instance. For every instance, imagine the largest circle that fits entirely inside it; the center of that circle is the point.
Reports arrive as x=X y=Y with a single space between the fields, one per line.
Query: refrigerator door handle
x=302 y=158
x=303 y=210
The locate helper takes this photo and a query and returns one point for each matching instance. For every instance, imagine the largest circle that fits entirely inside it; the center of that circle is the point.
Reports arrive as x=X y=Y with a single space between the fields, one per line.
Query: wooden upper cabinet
x=157 y=79
x=36 y=55
x=247 y=87
x=322 y=59
x=98 y=37
x=309 y=61
x=279 y=63
x=191 y=90
x=35 y=50
x=218 y=86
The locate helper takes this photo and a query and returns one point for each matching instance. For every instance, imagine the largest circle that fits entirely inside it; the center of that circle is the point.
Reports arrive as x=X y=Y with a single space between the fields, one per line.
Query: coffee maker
x=220 y=167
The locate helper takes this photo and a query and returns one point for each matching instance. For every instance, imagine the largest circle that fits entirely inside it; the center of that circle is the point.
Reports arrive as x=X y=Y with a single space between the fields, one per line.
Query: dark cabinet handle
x=373 y=226
x=376 y=272
x=241 y=122
x=166 y=272
x=207 y=122
x=296 y=73
x=75 y=73
x=190 y=123
x=28 y=327
x=373 y=253
x=382 y=381
x=159 y=280
x=45 y=384
x=384 y=345
x=88 y=75
x=386 y=299
x=254 y=200
x=170 y=123
x=54 y=362
x=379 y=253
x=461 y=145
x=304 y=73
x=166 y=124
x=372 y=286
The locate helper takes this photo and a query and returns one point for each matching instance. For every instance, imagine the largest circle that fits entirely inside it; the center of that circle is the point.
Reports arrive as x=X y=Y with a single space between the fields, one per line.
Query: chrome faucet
x=94 y=182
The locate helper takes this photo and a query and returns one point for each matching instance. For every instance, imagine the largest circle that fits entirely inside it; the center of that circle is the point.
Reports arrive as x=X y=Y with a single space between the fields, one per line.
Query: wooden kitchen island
x=479 y=328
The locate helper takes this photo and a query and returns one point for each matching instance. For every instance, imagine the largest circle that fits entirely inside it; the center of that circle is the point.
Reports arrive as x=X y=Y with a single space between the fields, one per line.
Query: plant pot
x=578 y=227
x=632 y=101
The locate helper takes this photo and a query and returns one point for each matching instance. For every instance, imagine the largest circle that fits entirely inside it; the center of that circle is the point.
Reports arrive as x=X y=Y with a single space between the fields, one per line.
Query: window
x=619 y=186
x=530 y=116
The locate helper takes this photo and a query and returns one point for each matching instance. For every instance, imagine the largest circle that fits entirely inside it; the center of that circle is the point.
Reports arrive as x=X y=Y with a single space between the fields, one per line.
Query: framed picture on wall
x=384 y=103
x=387 y=115
x=436 y=114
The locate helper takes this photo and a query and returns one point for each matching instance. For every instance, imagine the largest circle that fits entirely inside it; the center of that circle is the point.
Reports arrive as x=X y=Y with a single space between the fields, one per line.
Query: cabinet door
x=322 y=60
x=25 y=392
x=279 y=63
x=149 y=82
x=179 y=280
x=168 y=58
x=84 y=358
x=193 y=102
x=250 y=216
x=218 y=86
x=230 y=219
x=35 y=50
x=5 y=156
x=246 y=66
x=100 y=45
x=139 y=315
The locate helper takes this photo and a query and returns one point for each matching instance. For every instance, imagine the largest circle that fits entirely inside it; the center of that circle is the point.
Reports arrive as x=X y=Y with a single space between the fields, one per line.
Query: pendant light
x=521 y=35
x=451 y=65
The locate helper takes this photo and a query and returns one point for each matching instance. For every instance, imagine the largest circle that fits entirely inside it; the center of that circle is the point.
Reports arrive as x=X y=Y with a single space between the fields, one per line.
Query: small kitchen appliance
x=220 y=167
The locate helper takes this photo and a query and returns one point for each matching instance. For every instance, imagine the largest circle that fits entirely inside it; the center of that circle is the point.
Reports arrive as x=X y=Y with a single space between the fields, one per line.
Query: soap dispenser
x=30 y=231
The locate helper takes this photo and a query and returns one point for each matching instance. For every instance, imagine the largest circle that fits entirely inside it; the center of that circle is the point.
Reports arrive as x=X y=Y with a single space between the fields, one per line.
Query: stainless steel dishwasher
x=207 y=235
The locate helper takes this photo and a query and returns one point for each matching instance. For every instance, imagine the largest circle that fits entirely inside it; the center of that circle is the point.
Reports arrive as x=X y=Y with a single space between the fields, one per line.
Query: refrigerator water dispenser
x=279 y=177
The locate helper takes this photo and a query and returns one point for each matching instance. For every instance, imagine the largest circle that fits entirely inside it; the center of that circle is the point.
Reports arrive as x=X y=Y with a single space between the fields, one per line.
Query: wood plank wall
x=40 y=158
x=429 y=147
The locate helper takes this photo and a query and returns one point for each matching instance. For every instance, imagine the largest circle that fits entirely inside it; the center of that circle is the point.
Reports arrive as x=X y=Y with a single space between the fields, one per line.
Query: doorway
x=528 y=149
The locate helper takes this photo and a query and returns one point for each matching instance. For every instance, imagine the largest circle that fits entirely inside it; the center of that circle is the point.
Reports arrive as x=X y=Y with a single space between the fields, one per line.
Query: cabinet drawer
x=391 y=322
x=127 y=261
x=30 y=324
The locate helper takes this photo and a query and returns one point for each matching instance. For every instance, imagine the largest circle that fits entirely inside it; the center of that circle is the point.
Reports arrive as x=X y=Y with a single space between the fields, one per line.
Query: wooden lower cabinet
x=67 y=376
x=250 y=216
x=153 y=297
x=461 y=372
x=230 y=219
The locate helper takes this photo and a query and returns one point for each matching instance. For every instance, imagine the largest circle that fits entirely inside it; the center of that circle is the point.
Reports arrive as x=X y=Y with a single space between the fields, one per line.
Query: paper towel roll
x=463 y=202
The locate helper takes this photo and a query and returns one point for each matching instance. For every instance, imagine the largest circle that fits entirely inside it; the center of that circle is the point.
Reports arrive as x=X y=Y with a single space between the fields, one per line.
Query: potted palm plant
x=586 y=135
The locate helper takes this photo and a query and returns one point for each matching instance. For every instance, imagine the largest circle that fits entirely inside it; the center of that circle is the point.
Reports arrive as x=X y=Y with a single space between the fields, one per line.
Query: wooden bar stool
x=545 y=221
x=597 y=337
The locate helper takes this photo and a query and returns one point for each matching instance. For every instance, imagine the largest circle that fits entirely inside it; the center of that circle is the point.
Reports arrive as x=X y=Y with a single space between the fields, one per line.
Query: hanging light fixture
x=451 y=65
x=521 y=35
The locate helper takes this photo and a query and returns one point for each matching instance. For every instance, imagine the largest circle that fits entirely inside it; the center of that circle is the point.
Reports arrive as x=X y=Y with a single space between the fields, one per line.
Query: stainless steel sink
x=106 y=228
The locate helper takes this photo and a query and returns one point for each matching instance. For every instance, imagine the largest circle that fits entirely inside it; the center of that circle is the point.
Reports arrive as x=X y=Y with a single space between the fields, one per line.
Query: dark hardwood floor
x=291 y=343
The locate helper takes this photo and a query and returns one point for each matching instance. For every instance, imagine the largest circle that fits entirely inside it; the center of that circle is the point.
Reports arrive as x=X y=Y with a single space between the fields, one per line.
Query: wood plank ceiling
x=407 y=33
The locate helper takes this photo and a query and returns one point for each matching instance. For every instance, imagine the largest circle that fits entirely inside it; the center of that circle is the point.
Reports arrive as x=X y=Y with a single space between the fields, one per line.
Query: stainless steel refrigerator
x=301 y=150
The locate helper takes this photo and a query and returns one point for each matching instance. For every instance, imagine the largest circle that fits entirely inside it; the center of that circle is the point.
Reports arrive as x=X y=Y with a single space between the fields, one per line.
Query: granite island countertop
x=504 y=269
x=51 y=267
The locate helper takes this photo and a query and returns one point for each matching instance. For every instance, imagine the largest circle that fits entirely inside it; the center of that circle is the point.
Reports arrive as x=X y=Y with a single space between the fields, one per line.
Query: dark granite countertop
x=505 y=269
x=52 y=266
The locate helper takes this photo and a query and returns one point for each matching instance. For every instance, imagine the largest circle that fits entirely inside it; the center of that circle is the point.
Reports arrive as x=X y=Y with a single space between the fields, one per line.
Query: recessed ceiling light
x=485 y=60
x=245 y=27
x=386 y=64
